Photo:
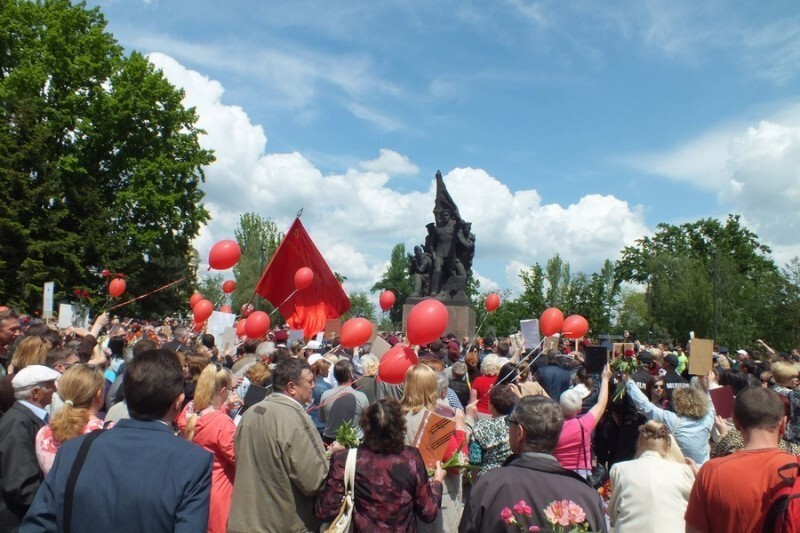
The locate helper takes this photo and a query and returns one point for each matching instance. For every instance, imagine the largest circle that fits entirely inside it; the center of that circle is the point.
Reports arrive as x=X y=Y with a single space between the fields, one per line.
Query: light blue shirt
x=690 y=434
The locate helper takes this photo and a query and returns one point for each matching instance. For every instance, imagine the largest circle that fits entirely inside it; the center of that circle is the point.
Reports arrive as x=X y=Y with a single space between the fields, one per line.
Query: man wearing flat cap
x=20 y=475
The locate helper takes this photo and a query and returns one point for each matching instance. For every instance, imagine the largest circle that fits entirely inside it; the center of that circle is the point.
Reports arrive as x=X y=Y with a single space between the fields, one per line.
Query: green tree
x=398 y=280
x=211 y=288
x=680 y=266
x=557 y=275
x=360 y=306
x=100 y=163
x=258 y=238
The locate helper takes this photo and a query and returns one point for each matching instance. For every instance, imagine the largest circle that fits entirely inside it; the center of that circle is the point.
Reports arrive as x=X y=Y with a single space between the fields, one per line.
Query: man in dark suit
x=20 y=475
x=180 y=336
x=138 y=476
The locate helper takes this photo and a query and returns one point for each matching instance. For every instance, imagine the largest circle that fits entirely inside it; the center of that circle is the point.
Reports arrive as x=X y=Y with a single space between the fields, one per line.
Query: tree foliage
x=398 y=280
x=360 y=306
x=100 y=163
x=680 y=265
x=258 y=238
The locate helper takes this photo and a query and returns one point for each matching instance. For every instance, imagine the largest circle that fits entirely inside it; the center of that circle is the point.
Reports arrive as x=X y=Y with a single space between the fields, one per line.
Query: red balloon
x=386 y=300
x=240 y=325
x=116 y=287
x=355 y=332
x=551 y=321
x=303 y=278
x=225 y=309
x=394 y=364
x=257 y=325
x=224 y=255
x=229 y=286
x=196 y=297
x=575 y=327
x=426 y=321
x=198 y=326
x=202 y=310
x=492 y=302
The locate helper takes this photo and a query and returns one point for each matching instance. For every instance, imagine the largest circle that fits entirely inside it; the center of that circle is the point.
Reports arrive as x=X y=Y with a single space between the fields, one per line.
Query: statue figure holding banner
x=450 y=245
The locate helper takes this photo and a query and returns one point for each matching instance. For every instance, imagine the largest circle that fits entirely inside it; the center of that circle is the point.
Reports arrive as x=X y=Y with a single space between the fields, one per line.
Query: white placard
x=228 y=339
x=47 y=299
x=66 y=314
x=217 y=323
x=530 y=332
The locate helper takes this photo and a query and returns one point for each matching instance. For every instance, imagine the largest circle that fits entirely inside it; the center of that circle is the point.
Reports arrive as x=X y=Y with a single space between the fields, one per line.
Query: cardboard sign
x=701 y=359
x=433 y=436
x=723 y=400
x=596 y=359
x=217 y=323
x=47 y=299
x=530 y=332
x=379 y=347
x=228 y=339
x=65 y=315
x=333 y=326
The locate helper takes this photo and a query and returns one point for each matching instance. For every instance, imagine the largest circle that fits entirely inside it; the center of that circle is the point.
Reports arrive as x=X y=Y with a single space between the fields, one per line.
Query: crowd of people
x=129 y=426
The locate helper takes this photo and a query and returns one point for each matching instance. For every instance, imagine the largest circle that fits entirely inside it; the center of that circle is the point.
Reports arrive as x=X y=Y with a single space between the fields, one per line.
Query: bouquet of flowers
x=626 y=364
x=564 y=516
x=347 y=435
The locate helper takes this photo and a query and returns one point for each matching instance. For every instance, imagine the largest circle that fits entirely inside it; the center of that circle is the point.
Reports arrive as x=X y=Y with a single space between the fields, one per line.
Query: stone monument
x=441 y=266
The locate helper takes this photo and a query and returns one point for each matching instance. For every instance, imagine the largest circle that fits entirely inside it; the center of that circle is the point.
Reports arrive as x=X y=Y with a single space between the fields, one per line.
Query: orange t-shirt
x=733 y=493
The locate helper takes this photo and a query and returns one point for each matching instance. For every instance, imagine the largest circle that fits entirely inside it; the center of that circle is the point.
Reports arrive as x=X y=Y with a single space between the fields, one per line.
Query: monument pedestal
x=461 y=318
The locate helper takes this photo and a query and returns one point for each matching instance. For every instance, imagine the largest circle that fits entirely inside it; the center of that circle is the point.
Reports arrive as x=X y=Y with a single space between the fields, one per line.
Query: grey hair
x=441 y=382
x=542 y=420
x=24 y=394
x=490 y=366
x=369 y=363
x=265 y=348
x=570 y=402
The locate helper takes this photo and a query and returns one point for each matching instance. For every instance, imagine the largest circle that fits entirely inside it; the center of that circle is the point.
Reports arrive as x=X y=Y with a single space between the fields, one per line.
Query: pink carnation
x=523 y=508
x=508 y=516
x=565 y=513
x=534 y=529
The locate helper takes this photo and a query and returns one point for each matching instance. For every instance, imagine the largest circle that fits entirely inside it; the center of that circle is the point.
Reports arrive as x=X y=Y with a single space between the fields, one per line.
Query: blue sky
x=569 y=127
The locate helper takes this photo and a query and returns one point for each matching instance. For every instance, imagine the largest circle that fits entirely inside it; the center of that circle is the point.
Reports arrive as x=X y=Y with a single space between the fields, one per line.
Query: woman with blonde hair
x=420 y=392
x=82 y=388
x=206 y=422
x=651 y=489
x=31 y=351
x=692 y=421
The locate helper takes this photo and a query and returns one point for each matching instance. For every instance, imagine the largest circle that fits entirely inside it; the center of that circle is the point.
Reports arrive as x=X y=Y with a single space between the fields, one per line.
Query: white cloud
x=392 y=163
x=356 y=217
x=753 y=170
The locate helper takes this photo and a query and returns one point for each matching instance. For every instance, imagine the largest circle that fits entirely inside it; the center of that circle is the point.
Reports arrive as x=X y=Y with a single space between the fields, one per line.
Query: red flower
x=523 y=508
x=105 y=273
x=508 y=516
x=120 y=275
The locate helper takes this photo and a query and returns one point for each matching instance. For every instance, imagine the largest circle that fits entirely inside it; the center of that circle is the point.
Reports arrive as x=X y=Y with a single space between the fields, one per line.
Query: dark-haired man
x=280 y=458
x=732 y=493
x=342 y=403
x=138 y=476
x=532 y=474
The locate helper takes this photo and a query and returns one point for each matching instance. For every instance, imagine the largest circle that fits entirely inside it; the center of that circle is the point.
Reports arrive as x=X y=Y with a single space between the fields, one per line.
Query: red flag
x=307 y=309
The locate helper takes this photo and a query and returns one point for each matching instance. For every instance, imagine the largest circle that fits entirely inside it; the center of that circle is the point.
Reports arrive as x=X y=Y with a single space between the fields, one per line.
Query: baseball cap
x=313 y=345
x=672 y=359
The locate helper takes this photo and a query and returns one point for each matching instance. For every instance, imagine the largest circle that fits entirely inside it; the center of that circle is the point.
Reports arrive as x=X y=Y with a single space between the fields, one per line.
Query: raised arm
x=602 y=399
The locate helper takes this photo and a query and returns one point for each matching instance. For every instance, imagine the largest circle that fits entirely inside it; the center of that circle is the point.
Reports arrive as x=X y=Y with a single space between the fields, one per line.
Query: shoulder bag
x=344 y=519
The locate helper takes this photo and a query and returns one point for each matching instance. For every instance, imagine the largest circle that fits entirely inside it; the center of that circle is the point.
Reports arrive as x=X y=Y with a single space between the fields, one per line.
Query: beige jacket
x=280 y=467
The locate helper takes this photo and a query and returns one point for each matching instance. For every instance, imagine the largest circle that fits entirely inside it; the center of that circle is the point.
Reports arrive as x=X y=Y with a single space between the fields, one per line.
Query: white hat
x=741 y=352
x=313 y=358
x=33 y=375
x=313 y=345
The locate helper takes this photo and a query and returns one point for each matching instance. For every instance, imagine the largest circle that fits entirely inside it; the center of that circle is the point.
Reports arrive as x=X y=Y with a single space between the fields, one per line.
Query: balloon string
x=521 y=361
x=148 y=294
x=469 y=346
